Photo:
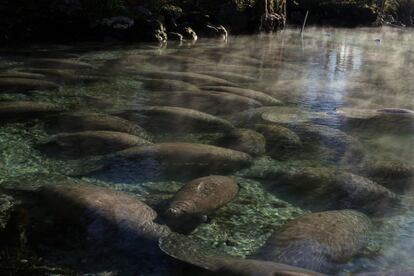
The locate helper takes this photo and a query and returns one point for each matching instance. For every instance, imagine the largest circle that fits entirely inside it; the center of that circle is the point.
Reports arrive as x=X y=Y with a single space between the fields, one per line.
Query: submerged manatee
x=230 y=76
x=194 y=78
x=317 y=241
x=333 y=188
x=81 y=121
x=206 y=101
x=24 y=75
x=281 y=142
x=186 y=250
x=249 y=93
x=64 y=76
x=244 y=140
x=13 y=109
x=200 y=197
x=25 y=84
x=176 y=119
x=169 y=85
x=379 y=120
x=96 y=207
x=91 y=143
x=181 y=159
x=57 y=63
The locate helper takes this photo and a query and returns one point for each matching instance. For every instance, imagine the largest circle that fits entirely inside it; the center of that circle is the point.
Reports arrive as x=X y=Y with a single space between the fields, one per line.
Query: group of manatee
x=252 y=123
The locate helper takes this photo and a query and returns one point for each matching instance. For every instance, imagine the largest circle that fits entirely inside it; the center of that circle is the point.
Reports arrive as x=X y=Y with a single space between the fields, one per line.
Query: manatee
x=13 y=109
x=82 y=121
x=176 y=119
x=24 y=75
x=169 y=85
x=281 y=142
x=181 y=159
x=282 y=115
x=194 y=78
x=317 y=241
x=249 y=93
x=244 y=140
x=210 y=102
x=96 y=208
x=333 y=188
x=229 y=76
x=182 y=248
x=25 y=84
x=57 y=63
x=90 y=142
x=201 y=197
x=379 y=120
x=64 y=75
x=395 y=175
x=343 y=147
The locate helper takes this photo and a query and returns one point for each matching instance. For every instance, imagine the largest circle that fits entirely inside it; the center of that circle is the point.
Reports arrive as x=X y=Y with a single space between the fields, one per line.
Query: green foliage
x=402 y=10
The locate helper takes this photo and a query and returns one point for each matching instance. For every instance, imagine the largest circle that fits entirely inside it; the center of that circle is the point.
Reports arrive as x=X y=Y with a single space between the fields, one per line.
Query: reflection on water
x=303 y=124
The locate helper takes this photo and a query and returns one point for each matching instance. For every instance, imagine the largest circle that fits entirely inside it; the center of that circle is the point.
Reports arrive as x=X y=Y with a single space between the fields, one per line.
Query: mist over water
x=340 y=90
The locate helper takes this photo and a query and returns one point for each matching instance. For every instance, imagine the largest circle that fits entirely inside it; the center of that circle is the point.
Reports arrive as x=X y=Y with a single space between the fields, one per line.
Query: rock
x=244 y=140
x=194 y=78
x=100 y=209
x=217 y=31
x=178 y=159
x=189 y=34
x=175 y=36
x=334 y=188
x=13 y=109
x=317 y=241
x=209 y=102
x=182 y=248
x=24 y=84
x=378 y=120
x=281 y=142
x=90 y=143
x=176 y=119
x=169 y=85
x=57 y=63
x=201 y=197
x=82 y=121
x=256 y=95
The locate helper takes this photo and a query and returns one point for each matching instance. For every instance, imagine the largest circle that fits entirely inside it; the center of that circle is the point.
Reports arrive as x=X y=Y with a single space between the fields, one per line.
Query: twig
x=304 y=22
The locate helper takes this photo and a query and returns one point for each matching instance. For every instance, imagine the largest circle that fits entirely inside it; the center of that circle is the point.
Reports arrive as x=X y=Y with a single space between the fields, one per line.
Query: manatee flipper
x=184 y=249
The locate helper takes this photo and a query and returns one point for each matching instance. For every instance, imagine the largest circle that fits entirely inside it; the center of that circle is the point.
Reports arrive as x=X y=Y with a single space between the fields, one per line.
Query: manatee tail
x=184 y=249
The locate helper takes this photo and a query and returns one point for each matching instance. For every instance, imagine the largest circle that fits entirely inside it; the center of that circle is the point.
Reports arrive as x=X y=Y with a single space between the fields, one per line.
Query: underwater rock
x=379 y=120
x=208 y=101
x=25 y=84
x=317 y=241
x=13 y=109
x=334 y=188
x=76 y=121
x=90 y=143
x=201 y=197
x=176 y=119
x=100 y=208
x=244 y=140
x=281 y=142
x=194 y=78
x=177 y=159
x=57 y=63
x=249 y=93
x=169 y=85
x=182 y=248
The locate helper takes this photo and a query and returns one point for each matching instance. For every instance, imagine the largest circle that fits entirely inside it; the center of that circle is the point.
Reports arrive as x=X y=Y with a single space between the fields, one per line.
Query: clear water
x=314 y=75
